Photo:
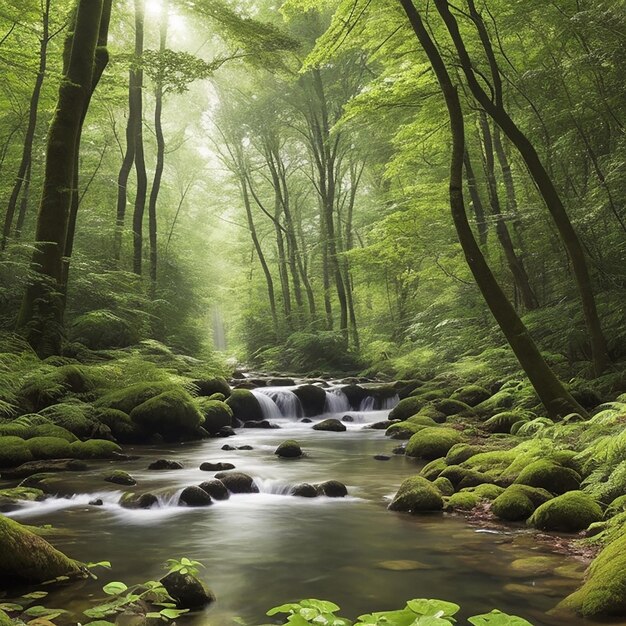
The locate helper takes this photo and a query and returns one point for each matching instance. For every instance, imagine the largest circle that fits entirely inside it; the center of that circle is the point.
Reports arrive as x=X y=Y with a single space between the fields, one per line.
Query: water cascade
x=270 y=409
x=336 y=401
x=286 y=400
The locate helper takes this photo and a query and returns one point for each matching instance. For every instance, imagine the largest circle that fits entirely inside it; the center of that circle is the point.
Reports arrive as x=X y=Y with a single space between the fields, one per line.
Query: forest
x=363 y=262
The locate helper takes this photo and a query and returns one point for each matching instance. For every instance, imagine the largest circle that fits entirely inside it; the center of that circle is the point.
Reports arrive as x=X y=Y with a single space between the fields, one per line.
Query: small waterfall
x=270 y=409
x=367 y=404
x=273 y=486
x=390 y=403
x=286 y=400
x=336 y=401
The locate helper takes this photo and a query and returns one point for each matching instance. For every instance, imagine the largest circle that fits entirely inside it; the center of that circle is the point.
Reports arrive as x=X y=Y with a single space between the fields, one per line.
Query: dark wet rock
x=216 y=414
x=245 y=405
x=331 y=424
x=227 y=446
x=289 y=449
x=237 y=482
x=281 y=382
x=96 y=502
x=332 y=489
x=306 y=420
x=226 y=431
x=304 y=490
x=216 y=467
x=216 y=489
x=187 y=591
x=347 y=418
x=312 y=398
x=399 y=450
x=165 y=464
x=238 y=375
x=194 y=496
x=211 y=386
x=355 y=394
x=51 y=465
x=245 y=448
x=138 y=501
x=119 y=477
x=382 y=457
x=260 y=424
x=383 y=425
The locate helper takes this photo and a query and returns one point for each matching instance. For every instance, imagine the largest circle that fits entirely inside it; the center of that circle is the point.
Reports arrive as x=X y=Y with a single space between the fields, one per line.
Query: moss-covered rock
x=445 y=487
x=245 y=406
x=460 y=452
x=120 y=477
x=448 y=407
x=237 y=482
x=208 y=387
x=432 y=442
x=119 y=423
x=52 y=430
x=571 y=512
x=216 y=414
x=603 y=593
x=462 y=501
x=550 y=476
x=312 y=398
x=417 y=495
x=502 y=422
x=102 y=329
x=49 y=448
x=503 y=399
x=172 y=414
x=485 y=491
x=433 y=413
x=13 y=451
x=432 y=470
x=495 y=461
x=76 y=418
x=406 y=408
x=127 y=398
x=518 y=502
x=95 y=449
x=403 y=430
x=27 y=558
x=331 y=424
x=618 y=505
x=462 y=477
x=471 y=394
x=289 y=449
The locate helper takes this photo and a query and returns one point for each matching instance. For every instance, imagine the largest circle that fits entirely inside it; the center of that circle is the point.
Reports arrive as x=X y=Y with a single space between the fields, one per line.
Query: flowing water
x=264 y=549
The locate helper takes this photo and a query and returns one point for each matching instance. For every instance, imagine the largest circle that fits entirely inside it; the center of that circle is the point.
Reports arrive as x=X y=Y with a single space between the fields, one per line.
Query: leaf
x=114 y=588
x=438 y=608
x=308 y=613
x=173 y=613
x=106 y=564
x=497 y=618
x=10 y=606
x=283 y=608
x=41 y=611
x=35 y=595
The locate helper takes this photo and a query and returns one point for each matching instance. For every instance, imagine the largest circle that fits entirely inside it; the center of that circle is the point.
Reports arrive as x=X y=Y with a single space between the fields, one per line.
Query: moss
x=102 y=329
x=171 y=414
x=94 y=449
x=406 y=408
x=127 y=398
x=210 y=386
x=245 y=406
x=432 y=470
x=491 y=461
x=5 y=620
x=49 y=448
x=430 y=411
x=403 y=430
x=462 y=477
x=503 y=399
x=218 y=396
x=471 y=394
x=503 y=422
x=618 y=505
x=432 y=442
x=417 y=495
x=120 y=424
x=445 y=487
x=27 y=558
x=571 y=512
x=422 y=419
x=28 y=494
x=463 y=501
x=448 y=407
x=550 y=476
x=75 y=417
x=532 y=566
x=512 y=506
x=603 y=593
x=120 y=477
x=13 y=451
x=216 y=414
x=52 y=430
x=485 y=491
x=460 y=452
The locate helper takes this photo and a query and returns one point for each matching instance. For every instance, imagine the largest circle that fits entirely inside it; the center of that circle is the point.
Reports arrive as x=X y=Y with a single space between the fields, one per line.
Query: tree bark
x=495 y=109
x=477 y=203
x=41 y=314
x=557 y=400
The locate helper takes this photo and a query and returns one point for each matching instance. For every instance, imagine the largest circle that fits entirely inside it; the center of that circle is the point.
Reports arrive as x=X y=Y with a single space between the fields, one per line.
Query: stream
x=261 y=550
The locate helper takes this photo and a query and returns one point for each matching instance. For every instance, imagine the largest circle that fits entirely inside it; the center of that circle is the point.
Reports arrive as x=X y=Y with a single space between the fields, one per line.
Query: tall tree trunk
x=516 y=266
x=160 y=160
x=140 y=161
x=21 y=216
x=551 y=392
x=477 y=203
x=41 y=314
x=23 y=171
x=495 y=109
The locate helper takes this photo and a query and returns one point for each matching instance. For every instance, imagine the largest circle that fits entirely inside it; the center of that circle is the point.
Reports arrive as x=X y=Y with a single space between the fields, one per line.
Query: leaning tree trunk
x=477 y=203
x=41 y=314
x=557 y=400
x=24 y=169
x=495 y=109
x=140 y=161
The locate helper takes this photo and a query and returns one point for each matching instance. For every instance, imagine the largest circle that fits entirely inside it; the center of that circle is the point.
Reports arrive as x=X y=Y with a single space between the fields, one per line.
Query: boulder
x=216 y=489
x=226 y=431
x=120 y=477
x=331 y=424
x=462 y=501
x=382 y=457
x=187 y=591
x=245 y=406
x=503 y=422
x=550 y=476
x=445 y=487
x=289 y=449
x=13 y=451
x=128 y=398
x=406 y=408
x=432 y=442
x=138 y=501
x=38 y=467
x=95 y=449
x=216 y=467
x=102 y=329
x=471 y=394
x=210 y=386
x=448 y=407
x=304 y=490
x=245 y=448
x=165 y=464
x=281 y=382
x=26 y=558
x=312 y=398
x=332 y=489
x=417 y=495
x=260 y=424
x=194 y=496
x=355 y=394
x=237 y=482
x=10 y=499
x=518 y=502
x=571 y=512
x=216 y=414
